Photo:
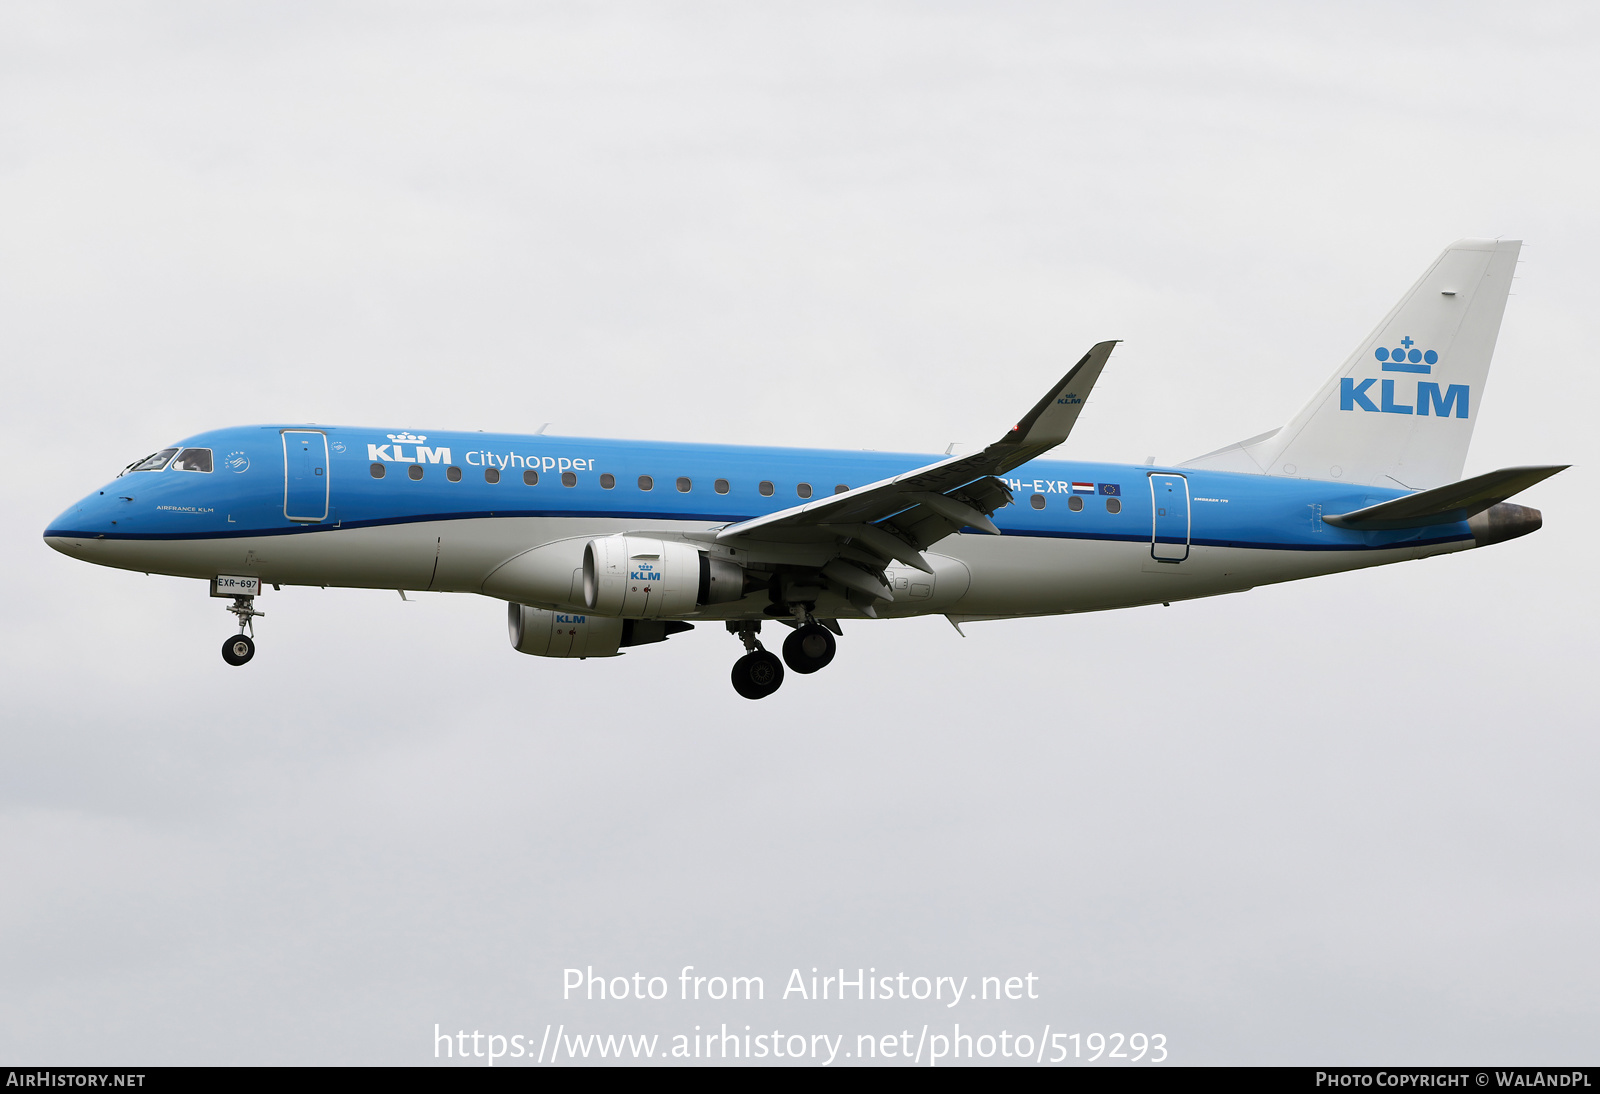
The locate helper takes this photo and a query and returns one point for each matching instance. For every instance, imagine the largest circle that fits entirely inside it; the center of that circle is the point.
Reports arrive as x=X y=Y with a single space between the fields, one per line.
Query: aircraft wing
x=899 y=517
x=1444 y=504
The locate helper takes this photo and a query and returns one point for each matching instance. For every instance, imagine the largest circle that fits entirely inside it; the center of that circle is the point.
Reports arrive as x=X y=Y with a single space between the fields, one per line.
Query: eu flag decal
x=1111 y=489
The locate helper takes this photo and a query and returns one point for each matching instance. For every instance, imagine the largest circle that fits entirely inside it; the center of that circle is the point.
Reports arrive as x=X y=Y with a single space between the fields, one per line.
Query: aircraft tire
x=757 y=675
x=238 y=649
x=809 y=648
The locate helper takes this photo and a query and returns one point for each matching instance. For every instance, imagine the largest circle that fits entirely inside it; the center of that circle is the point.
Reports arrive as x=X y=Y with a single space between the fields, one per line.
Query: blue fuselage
x=390 y=509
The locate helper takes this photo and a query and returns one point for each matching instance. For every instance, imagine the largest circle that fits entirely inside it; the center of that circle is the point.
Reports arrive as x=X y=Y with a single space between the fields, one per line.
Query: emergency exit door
x=305 y=475
x=1169 y=518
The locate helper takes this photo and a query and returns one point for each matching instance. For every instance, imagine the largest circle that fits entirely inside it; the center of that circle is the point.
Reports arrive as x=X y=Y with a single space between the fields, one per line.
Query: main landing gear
x=241 y=647
x=759 y=673
x=809 y=647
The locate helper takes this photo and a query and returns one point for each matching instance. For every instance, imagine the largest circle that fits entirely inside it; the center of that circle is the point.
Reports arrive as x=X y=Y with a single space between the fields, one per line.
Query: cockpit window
x=152 y=463
x=193 y=459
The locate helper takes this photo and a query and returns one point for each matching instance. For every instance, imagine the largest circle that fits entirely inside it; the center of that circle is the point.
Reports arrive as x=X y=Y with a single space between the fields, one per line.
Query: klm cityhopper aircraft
x=597 y=545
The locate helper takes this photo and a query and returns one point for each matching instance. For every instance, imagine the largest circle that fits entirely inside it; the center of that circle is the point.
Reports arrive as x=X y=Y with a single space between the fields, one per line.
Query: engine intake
x=634 y=577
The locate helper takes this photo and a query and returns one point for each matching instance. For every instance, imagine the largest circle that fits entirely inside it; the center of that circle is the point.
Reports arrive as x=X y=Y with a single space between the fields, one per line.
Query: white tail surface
x=1401 y=410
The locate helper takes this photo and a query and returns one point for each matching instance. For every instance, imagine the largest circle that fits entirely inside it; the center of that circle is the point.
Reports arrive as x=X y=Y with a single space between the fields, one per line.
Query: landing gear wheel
x=809 y=648
x=238 y=649
x=757 y=675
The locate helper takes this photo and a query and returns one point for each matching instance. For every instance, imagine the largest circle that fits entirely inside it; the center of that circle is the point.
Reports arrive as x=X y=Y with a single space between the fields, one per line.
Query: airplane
x=597 y=546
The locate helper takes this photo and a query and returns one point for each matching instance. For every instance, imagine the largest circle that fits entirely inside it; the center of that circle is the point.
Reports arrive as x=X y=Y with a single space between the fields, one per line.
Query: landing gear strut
x=758 y=673
x=241 y=647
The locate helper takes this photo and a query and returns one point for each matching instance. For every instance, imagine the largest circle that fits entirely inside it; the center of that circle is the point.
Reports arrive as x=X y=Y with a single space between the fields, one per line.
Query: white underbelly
x=1003 y=575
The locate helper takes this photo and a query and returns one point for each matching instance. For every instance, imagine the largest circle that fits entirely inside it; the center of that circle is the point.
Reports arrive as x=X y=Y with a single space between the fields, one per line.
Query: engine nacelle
x=635 y=577
x=563 y=634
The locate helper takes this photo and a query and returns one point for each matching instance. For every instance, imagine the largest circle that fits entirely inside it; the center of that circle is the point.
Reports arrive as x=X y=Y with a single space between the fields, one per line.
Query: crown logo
x=1406 y=357
x=403 y=437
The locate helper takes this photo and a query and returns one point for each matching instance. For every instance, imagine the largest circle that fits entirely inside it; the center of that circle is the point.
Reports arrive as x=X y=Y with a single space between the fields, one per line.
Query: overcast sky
x=1350 y=820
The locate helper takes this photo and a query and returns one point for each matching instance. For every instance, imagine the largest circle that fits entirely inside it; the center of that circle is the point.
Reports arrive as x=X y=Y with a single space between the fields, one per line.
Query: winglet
x=927 y=492
x=1052 y=418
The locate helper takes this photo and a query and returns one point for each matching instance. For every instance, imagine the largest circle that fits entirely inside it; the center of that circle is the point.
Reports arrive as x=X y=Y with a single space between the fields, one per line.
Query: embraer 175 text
x=596 y=545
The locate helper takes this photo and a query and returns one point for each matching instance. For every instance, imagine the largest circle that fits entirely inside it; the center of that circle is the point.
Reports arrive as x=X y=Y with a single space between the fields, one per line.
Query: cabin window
x=415 y=471
x=453 y=474
x=684 y=485
x=608 y=482
x=804 y=490
x=568 y=479
x=491 y=474
x=841 y=488
x=646 y=482
x=766 y=489
x=721 y=486
x=377 y=470
x=1113 y=505
x=1037 y=501
x=531 y=478
x=193 y=459
x=154 y=462
x=1075 y=503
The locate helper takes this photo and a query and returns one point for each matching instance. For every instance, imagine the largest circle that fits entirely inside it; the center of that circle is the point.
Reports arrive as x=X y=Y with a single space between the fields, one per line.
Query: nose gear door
x=305 y=475
x=1169 y=514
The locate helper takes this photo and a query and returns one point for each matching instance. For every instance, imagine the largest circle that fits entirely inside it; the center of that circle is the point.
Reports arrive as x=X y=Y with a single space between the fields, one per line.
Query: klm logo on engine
x=1425 y=400
x=380 y=452
x=643 y=571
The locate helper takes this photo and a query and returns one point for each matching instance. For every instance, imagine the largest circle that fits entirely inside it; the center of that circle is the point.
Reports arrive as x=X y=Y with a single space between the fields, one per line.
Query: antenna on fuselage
x=540 y=431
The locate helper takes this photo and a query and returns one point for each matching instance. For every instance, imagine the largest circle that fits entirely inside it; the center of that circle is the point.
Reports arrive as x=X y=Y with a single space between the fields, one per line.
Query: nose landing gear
x=241 y=647
x=758 y=673
x=238 y=649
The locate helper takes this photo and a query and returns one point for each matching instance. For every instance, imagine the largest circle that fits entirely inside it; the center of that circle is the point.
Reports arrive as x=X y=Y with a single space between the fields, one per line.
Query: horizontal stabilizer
x=1444 y=504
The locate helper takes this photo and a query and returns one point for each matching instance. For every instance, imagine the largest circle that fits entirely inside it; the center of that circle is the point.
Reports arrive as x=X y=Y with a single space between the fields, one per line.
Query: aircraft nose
x=90 y=519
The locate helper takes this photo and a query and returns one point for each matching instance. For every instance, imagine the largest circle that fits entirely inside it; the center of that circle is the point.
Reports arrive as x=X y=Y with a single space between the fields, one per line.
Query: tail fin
x=1400 y=412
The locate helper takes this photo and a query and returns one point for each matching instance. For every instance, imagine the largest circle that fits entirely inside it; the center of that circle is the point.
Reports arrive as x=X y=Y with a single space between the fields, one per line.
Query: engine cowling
x=635 y=577
x=563 y=634
x=544 y=633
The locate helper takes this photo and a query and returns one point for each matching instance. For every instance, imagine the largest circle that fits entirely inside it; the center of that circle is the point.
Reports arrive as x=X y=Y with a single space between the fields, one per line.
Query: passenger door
x=1169 y=518
x=305 y=475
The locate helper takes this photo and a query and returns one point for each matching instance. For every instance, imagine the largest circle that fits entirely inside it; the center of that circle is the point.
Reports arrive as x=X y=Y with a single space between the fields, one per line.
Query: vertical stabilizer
x=1401 y=410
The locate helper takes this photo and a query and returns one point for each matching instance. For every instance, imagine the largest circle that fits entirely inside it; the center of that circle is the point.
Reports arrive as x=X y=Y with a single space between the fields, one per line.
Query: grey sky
x=1347 y=820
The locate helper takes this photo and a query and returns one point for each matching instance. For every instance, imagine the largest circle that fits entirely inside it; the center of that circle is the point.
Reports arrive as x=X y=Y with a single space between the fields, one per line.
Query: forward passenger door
x=305 y=475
